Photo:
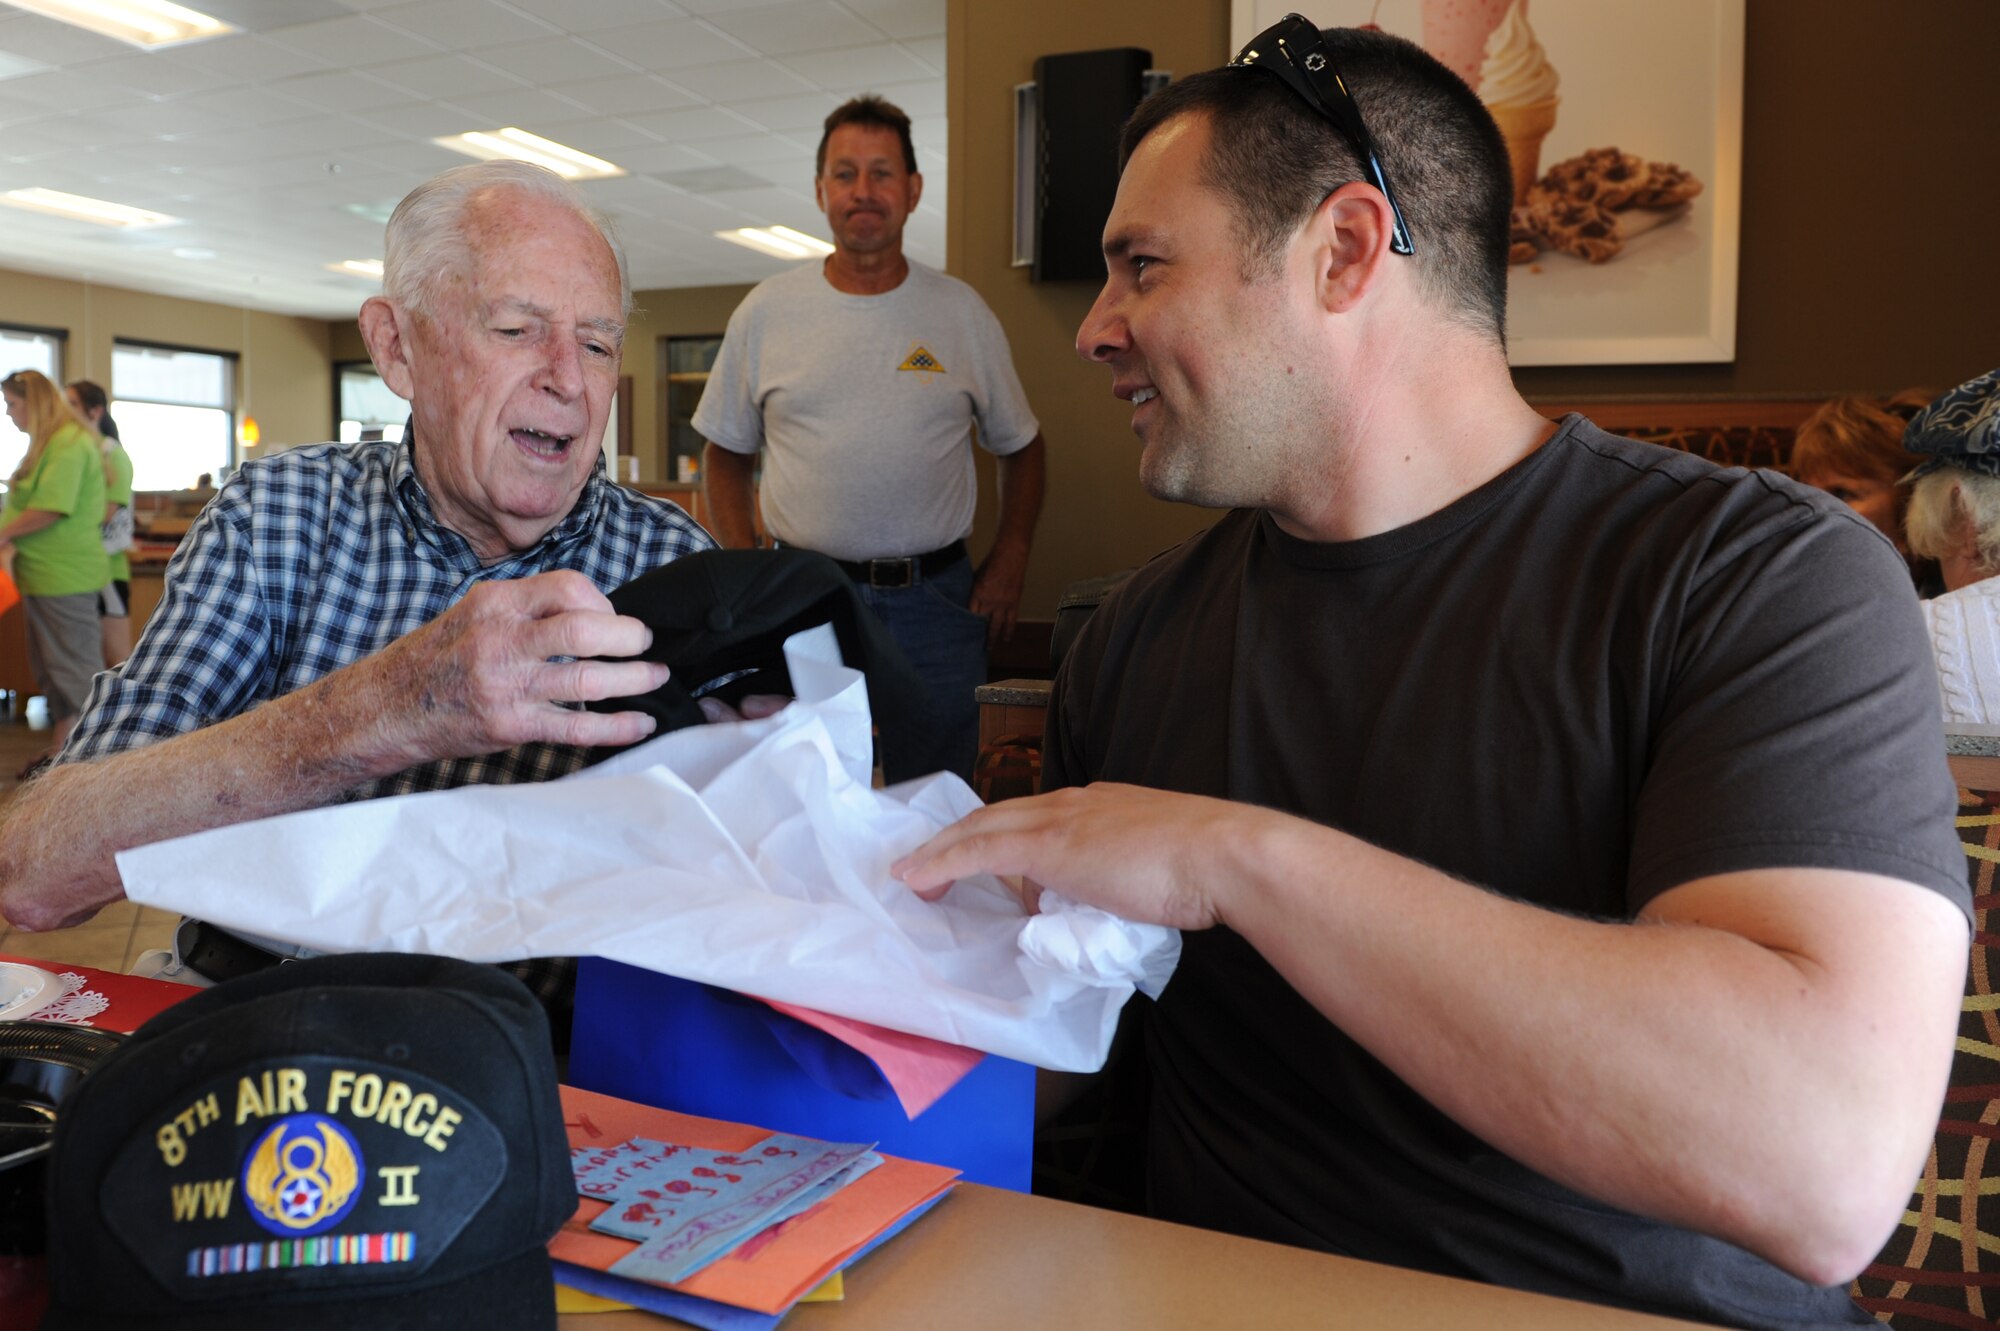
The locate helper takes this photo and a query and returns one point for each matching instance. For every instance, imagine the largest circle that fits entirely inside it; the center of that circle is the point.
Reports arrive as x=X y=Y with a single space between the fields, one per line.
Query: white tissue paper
x=752 y=855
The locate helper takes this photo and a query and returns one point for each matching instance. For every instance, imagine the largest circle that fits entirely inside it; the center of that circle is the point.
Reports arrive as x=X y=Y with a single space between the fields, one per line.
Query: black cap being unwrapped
x=345 y=1141
x=718 y=612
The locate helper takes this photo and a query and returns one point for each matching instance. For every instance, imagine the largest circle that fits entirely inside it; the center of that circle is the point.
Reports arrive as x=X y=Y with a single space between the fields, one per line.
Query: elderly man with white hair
x=357 y=620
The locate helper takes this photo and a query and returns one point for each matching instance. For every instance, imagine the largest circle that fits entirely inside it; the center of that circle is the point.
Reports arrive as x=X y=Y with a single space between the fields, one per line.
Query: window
x=689 y=360
x=176 y=413
x=367 y=409
x=25 y=349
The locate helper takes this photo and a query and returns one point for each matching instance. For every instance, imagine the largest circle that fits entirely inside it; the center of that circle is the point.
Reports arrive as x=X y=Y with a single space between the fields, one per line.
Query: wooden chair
x=1941 y=1271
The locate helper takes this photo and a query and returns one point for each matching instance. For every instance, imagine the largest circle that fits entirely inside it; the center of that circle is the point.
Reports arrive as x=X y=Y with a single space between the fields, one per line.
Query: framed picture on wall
x=1624 y=120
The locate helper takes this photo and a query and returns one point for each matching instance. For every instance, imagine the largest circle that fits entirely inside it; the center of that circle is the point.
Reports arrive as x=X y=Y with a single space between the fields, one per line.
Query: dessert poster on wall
x=1624 y=124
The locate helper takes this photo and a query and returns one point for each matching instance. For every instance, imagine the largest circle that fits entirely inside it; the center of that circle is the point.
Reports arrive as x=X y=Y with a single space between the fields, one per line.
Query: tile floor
x=115 y=936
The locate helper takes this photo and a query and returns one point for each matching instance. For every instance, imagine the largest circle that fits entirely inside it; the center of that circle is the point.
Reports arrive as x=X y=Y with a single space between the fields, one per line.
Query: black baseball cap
x=722 y=612
x=345 y=1141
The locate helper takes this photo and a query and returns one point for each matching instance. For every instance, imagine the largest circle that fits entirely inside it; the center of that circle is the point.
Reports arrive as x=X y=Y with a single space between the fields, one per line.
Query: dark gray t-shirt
x=1613 y=669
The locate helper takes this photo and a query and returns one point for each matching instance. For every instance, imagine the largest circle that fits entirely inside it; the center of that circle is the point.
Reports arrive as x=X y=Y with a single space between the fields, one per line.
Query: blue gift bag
x=679 y=1045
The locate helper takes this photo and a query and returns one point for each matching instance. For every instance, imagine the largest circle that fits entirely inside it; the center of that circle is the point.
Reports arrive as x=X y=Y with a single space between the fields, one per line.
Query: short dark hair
x=874 y=112
x=91 y=395
x=1273 y=159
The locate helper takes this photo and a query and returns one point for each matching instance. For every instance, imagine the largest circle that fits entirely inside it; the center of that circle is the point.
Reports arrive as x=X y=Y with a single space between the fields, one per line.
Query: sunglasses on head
x=1294 y=50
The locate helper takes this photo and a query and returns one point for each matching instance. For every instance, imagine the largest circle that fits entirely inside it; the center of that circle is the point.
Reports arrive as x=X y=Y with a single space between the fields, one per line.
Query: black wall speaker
x=1082 y=100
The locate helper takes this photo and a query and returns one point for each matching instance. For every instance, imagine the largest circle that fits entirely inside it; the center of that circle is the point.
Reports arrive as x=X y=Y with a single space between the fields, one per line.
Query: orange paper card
x=770 y=1272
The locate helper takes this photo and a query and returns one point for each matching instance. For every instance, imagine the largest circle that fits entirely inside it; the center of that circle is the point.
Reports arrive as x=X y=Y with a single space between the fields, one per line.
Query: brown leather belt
x=900 y=570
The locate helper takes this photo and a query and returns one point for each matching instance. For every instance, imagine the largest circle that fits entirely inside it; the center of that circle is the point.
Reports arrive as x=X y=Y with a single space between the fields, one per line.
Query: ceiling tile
x=712 y=179
x=423 y=159
x=156 y=74
x=662 y=157
x=789 y=113
x=254 y=106
x=669 y=45
x=263 y=15
x=351 y=41
x=902 y=19
x=692 y=125
x=456 y=23
x=445 y=77
x=422 y=120
x=14 y=66
x=340 y=92
x=32 y=37
x=872 y=66
x=525 y=107
x=247 y=59
x=602 y=135
x=560 y=60
x=798 y=149
x=930 y=50
x=634 y=92
x=63 y=91
x=597 y=15
x=782 y=29
x=733 y=80
x=156 y=119
x=920 y=101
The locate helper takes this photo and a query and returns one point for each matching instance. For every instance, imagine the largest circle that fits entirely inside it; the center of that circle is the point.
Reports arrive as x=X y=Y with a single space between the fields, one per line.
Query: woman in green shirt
x=50 y=534
x=114 y=610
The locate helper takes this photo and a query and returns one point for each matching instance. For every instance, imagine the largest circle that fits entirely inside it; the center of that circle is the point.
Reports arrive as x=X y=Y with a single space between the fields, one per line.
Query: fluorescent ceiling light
x=780 y=242
x=520 y=146
x=147 y=23
x=101 y=211
x=357 y=268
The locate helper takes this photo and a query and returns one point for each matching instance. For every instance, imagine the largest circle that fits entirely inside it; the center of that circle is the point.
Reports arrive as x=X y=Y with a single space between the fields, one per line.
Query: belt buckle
x=900 y=572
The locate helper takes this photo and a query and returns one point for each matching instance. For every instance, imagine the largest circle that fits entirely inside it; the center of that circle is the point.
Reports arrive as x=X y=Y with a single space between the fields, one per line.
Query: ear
x=819 y=192
x=385 y=327
x=916 y=189
x=1350 y=233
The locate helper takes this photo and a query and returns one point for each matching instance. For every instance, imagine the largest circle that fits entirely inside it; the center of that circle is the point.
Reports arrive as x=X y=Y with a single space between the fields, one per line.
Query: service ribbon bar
x=328 y=1250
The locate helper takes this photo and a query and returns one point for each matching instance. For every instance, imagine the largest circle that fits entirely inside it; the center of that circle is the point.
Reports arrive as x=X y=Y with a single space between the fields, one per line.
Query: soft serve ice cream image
x=1518 y=85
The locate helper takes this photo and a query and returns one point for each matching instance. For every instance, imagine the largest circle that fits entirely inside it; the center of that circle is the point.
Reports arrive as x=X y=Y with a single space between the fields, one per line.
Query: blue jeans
x=946 y=644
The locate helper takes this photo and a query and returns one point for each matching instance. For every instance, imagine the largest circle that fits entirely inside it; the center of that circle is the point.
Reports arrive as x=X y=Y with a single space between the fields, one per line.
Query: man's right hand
x=492 y=671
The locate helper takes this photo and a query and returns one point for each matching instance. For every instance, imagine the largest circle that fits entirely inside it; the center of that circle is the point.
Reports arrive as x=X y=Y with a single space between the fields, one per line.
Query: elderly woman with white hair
x=1954 y=518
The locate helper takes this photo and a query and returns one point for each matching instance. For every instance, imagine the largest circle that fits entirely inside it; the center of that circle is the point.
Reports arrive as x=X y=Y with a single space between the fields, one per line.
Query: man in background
x=860 y=381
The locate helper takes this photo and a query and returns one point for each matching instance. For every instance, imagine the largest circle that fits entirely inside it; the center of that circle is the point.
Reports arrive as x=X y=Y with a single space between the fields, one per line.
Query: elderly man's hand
x=489 y=673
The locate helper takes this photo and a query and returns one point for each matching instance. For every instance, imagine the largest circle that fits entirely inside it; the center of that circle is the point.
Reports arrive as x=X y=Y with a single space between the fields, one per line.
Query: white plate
x=25 y=989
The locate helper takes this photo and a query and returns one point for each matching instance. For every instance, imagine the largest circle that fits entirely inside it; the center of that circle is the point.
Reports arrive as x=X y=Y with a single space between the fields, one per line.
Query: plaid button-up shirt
x=314 y=558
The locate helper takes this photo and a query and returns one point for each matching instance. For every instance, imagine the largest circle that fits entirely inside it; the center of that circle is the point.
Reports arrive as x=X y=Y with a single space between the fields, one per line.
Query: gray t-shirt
x=864 y=408
x=1612 y=669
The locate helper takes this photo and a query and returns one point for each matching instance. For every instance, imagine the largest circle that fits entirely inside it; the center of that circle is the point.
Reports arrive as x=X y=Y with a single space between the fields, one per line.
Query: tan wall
x=284 y=377
x=1096 y=519
x=1864 y=231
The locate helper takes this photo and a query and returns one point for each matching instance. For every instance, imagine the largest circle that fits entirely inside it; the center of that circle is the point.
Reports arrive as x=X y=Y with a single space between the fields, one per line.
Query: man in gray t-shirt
x=861 y=382
x=1559 y=825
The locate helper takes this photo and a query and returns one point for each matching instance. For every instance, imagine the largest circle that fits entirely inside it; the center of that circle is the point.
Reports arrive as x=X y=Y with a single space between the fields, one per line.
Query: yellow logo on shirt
x=920 y=358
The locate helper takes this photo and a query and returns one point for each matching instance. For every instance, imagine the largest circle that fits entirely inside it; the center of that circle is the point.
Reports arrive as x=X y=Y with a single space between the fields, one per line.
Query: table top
x=991 y=1258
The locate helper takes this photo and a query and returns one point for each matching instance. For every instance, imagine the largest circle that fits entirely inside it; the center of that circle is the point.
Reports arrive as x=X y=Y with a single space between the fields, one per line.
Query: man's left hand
x=1145 y=855
x=996 y=591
